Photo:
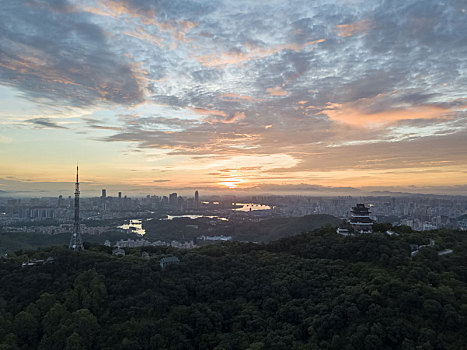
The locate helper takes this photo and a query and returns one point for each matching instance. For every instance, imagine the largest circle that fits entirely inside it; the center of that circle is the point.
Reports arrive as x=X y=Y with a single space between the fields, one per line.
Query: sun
x=231 y=183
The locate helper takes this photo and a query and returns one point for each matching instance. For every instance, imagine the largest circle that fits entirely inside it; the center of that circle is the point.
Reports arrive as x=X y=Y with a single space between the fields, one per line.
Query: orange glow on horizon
x=231 y=183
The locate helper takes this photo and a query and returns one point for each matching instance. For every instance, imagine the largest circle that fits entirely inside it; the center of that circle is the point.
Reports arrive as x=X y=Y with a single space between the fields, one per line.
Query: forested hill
x=265 y=230
x=313 y=291
x=275 y=228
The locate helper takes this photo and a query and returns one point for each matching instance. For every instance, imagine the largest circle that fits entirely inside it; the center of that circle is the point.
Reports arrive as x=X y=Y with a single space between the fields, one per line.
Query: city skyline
x=278 y=97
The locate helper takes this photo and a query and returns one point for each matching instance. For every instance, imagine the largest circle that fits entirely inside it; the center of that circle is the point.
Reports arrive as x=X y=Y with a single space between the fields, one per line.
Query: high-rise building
x=164 y=202
x=76 y=241
x=104 y=199
x=173 y=200
x=196 y=199
x=180 y=203
x=119 y=195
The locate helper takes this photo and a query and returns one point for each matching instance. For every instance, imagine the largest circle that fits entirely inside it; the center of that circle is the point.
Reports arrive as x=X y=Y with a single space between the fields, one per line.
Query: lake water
x=252 y=206
x=135 y=225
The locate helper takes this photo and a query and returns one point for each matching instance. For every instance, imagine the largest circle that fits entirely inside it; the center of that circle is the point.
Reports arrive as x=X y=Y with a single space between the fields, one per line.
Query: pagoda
x=360 y=219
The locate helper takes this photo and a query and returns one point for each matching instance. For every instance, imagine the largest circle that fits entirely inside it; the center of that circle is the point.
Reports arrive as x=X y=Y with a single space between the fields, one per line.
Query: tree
x=89 y=292
x=75 y=342
x=45 y=302
x=85 y=325
x=26 y=328
x=54 y=317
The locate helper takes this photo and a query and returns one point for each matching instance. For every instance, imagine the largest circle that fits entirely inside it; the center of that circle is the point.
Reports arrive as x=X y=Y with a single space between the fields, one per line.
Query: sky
x=265 y=96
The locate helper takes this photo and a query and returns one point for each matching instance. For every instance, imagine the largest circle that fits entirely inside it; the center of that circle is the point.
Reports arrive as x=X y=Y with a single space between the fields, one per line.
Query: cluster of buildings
x=420 y=212
x=35 y=262
x=137 y=243
x=103 y=207
x=163 y=262
x=65 y=215
x=60 y=228
x=220 y=238
x=173 y=202
x=360 y=221
x=425 y=213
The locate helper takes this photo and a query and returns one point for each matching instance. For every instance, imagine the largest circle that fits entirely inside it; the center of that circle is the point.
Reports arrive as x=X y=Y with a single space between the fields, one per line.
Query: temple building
x=360 y=219
x=169 y=260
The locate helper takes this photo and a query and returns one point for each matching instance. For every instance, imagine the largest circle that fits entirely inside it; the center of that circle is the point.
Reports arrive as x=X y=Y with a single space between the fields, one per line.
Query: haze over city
x=326 y=97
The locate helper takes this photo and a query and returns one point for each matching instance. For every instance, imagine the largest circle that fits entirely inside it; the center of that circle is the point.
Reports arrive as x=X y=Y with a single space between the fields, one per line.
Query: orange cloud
x=276 y=91
x=36 y=66
x=140 y=74
x=204 y=111
x=345 y=30
x=350 y=114
x=252 y=52
x=297 y=47
x=117 y=9
x=141 y=34
x=237 y=116
x=183 y=28
x=230 y=97
x=97 y=11
x=223 y=58
x=164 y=78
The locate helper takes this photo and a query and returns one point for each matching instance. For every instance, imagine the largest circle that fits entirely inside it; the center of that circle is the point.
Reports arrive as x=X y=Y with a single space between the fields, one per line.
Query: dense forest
x=316 y=290
x=12 y=241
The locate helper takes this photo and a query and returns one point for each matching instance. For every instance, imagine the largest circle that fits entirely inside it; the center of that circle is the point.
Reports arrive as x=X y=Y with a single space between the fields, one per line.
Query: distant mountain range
x=48 y=189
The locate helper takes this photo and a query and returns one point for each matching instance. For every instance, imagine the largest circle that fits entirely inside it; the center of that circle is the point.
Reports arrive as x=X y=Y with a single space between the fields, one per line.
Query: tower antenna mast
x=76 y=241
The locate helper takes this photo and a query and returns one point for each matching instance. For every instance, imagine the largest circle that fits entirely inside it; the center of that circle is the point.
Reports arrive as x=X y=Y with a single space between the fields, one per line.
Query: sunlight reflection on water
x=135 y=225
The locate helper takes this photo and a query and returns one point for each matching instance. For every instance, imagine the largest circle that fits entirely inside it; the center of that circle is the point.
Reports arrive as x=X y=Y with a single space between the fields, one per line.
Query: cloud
x=350 y=29
x=146 y=13
x=251 y=52
x=336 y=86
x=235 y=97
x=204 y=111
x=140 y=33
x=61 y=56
x=276 y=91
x=227 y=119
x=305 y=188
x=44 y=123
x=355 y=114
x=96 y=124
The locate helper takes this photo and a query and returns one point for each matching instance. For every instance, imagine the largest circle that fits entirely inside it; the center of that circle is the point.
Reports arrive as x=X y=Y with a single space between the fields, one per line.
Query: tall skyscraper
x=196 y=199
x=76 y=242
x=173 y=200
x=104 y=199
